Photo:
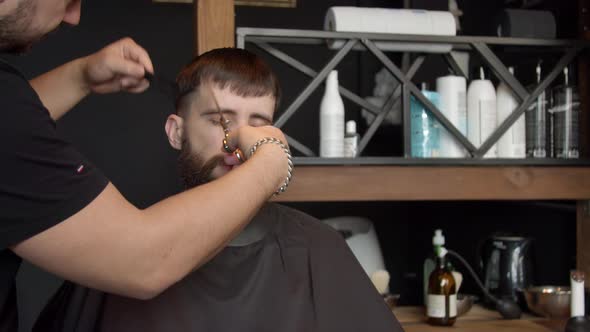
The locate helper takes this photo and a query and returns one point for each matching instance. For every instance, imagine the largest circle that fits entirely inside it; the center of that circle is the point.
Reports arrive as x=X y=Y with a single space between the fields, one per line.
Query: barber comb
x=167 y=87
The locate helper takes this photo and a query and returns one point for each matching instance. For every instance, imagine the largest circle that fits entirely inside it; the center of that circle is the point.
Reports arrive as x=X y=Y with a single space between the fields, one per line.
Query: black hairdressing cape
x=300 y=276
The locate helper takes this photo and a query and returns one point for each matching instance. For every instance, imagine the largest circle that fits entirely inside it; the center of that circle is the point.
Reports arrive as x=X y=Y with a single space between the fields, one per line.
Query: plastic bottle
x=536 y=124
x=565 y=116
x=351 y=140
x=438 y=240
x=481 y=113
x=425 y=136
x=451 y=90
x=513 y=143
x=578 y=321
x=332 y=119
x=441 y=306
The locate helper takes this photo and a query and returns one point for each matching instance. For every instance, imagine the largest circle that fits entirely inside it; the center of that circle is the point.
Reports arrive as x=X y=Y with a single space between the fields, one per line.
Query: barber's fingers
x=126 y=58
x=134 y=85
x=138 y=54
x=121 y=84
x=119 y=66
x=246 y=136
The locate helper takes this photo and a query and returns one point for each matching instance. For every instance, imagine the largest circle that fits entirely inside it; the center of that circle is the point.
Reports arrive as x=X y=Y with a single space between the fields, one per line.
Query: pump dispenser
x=481 y=112
x=438 y=240
x=441 y=305
x=565 y=119
x=536 y=124
x=513 y=143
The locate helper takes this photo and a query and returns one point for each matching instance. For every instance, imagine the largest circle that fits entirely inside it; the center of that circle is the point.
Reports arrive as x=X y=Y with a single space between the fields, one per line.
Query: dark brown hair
x=243 y=72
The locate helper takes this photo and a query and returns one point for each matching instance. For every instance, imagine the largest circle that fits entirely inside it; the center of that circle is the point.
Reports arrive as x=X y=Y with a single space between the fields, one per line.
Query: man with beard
x=286 y=271
x=60 y=213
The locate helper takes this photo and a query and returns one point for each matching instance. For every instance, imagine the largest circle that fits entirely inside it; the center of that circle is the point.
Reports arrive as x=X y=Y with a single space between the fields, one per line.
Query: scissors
x=225 y=125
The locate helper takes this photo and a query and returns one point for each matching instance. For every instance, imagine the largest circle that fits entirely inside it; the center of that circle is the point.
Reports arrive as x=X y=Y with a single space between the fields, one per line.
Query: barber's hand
x=120 y=66
x=245 y=137
x=277 y=164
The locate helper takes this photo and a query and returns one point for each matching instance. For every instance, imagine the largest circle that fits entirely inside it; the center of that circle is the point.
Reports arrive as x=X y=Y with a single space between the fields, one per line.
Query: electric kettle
x=506 y=264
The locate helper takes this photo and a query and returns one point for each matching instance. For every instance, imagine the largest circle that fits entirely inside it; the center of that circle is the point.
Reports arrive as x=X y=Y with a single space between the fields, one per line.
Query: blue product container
x=425 y=136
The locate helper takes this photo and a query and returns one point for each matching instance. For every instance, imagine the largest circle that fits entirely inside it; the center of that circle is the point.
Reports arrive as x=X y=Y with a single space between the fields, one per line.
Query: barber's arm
x=112 y=246
x=118 y=67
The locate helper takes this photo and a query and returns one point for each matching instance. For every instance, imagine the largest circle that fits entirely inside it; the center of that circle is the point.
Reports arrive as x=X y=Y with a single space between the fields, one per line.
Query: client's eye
x=215 y=121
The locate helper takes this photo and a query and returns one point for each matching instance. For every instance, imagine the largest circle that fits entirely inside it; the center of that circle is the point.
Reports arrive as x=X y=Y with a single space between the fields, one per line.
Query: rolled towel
x=393 y=21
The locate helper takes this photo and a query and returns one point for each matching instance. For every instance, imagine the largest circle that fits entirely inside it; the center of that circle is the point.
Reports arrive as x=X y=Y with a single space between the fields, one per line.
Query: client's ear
x=174 y=131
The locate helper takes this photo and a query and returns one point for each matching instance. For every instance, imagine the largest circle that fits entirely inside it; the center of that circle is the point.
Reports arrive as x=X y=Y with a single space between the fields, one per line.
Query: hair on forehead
x=244 y=73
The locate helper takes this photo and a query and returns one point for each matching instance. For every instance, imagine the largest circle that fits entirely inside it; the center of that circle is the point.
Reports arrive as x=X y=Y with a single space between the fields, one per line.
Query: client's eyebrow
x=232 y=112
x=213 y=111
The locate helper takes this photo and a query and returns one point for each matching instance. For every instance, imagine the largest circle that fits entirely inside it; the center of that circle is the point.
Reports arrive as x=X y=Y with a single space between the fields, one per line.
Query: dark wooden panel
x=399 y=183
x=214 y=24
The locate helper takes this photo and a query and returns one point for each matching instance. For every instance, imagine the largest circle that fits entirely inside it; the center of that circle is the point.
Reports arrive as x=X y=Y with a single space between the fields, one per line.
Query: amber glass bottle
x=441 y=306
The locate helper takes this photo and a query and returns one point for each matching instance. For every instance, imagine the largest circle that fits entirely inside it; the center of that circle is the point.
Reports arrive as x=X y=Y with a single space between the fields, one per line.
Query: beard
x=13 y=38
x=194 y=170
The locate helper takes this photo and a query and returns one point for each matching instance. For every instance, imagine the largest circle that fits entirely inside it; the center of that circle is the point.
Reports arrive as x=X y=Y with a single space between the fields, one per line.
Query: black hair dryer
x=507 y=266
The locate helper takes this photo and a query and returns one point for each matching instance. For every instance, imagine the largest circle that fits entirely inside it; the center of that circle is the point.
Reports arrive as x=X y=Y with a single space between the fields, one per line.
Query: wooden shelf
x=408 y=183
x=477 y=319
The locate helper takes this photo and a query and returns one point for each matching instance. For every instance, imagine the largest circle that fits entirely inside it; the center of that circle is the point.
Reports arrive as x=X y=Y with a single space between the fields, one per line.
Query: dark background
x=123 y=134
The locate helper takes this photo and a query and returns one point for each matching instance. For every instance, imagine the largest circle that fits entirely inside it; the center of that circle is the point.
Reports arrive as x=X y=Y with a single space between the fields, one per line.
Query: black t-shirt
x=43 y=180
x=300 y=277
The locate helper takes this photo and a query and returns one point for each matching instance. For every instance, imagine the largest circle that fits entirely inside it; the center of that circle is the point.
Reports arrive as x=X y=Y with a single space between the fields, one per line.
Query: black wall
x=123 y=134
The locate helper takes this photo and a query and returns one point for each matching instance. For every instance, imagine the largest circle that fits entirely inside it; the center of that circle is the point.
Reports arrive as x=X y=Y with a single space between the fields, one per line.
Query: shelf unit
x=264 y=38
x=404 y=179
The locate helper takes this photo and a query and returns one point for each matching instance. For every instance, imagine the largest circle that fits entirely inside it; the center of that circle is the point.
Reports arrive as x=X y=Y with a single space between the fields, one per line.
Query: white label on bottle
x=437 y=307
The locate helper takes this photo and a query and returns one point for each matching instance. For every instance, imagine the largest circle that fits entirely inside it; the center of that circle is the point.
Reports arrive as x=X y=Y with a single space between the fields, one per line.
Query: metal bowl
x=549 y=301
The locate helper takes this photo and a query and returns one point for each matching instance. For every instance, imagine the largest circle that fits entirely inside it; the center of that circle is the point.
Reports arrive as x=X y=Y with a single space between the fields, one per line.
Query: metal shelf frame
x=263 y=38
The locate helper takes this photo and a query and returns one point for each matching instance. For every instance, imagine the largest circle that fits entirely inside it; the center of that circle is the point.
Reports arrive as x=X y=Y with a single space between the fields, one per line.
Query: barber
x=60 y=213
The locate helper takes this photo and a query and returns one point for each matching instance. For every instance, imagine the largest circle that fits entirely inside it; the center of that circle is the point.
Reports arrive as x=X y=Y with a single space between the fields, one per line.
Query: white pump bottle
x=513 y=143
x=481 y=113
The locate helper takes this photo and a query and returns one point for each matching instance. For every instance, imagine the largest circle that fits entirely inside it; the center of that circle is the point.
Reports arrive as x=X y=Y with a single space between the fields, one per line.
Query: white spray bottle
x=513 y=143
x=332 y=119
x=481 y=112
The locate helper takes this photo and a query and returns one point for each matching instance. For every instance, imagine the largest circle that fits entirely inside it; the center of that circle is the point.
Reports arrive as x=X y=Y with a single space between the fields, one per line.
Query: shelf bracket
x=315 y=83
x=418 y=95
